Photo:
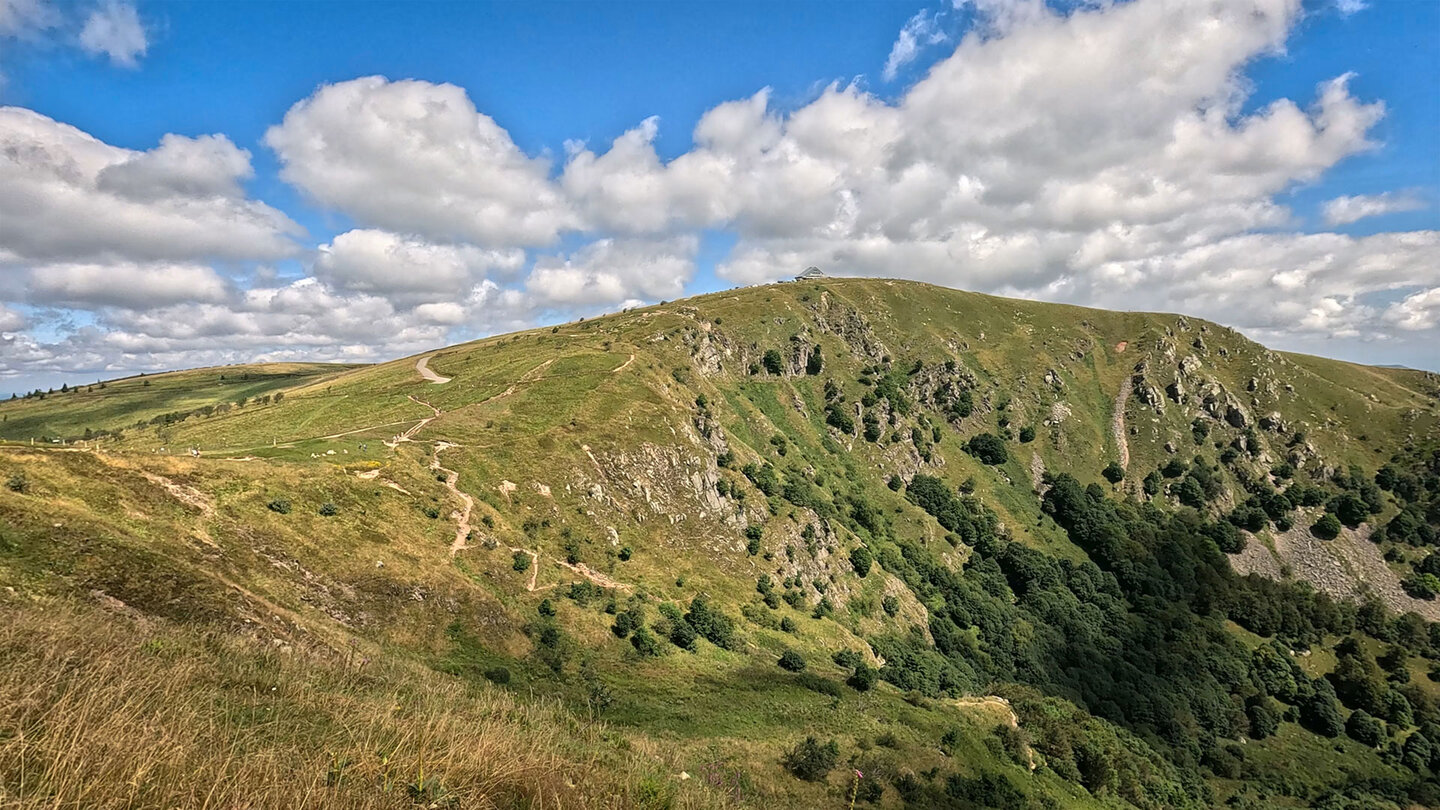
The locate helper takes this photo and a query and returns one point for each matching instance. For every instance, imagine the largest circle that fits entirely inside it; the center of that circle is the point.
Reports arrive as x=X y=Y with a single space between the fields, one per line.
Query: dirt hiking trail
x=423 y=366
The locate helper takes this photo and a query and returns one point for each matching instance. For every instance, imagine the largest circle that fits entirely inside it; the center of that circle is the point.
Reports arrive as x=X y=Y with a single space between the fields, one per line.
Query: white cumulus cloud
x=415 y=157
x=113 y=29
x=67 y=196
x=388 y=263
x=1353 y=208
x=919 y=31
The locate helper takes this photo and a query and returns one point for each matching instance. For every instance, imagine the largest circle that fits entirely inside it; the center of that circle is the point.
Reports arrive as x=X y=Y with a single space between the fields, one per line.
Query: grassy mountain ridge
x=769 y=452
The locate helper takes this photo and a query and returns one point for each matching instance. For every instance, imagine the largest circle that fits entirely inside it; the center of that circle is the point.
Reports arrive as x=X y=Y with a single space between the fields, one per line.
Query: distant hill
x=680 y=540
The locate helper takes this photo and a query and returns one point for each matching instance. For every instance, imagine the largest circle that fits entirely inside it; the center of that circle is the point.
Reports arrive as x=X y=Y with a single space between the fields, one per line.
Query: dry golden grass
x=99 y=710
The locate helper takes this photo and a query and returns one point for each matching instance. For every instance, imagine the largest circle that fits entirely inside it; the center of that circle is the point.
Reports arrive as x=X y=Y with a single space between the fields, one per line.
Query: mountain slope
x=801 y=461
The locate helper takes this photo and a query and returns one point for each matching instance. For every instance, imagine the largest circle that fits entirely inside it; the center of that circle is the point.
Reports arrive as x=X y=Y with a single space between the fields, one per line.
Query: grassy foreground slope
x=767 y=454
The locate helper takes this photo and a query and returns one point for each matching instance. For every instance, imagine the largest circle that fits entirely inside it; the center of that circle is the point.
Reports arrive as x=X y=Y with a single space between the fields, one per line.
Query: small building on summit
x=809 y=274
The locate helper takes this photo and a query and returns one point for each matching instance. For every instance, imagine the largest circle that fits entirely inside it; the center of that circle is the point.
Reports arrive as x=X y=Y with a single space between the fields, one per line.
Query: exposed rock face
x=1059 y=412
x=1235 y=416
x=850 y=326
x=1147 y=393
x=1176 y=392
x=1274 y=423
x=1344 y=568
x=710 y=350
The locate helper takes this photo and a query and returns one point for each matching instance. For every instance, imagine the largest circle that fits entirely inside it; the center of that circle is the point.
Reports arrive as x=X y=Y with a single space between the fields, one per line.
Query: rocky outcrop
x=844 y=322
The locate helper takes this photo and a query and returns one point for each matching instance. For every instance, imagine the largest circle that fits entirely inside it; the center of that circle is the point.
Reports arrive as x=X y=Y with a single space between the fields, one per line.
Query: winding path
x=462 y=517
x=463 y=529
x=423 y=366
x=411 y=431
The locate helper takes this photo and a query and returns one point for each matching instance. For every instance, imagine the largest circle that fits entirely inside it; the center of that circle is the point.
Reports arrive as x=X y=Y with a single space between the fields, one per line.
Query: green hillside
x=987 y=547
x=107 y=407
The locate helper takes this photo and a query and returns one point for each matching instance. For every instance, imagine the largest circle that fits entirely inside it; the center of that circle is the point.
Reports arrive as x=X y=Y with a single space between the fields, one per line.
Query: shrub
x=1319 y=712
x=521 y=561
x=1027 y=434
x=988 y=447
x=1264 y=722
x=863 y=678
x=986 y=790
x=328 y=509
x=962 y=405
x=773 y=362
x=787 y=624
x=17 y=483
x=812 y=760
x=792 y=661
x=279 y=506
x=547 y=608
x=1113 y=473
x=1152 y=483
x=890 y=605
x=500 y=675
x=838 y=417
x=1327 y=527
x=861 y=559
x=1350 y=508
x=1421 y=586
x=682 y=635
x=711 y=624
x=1364 y=728
x=622 y=626
x=645 y=643
x=625 y=554
x=816 y=363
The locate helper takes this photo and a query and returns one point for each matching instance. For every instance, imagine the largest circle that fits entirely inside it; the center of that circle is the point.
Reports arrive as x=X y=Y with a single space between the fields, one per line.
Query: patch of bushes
x=1327 y=527
x=711 y=624
x=279 y=506
x=812 y=760
x=645 y=643
x=772 y=362
x=861 y=559
x=988 y=448
x=792 y=661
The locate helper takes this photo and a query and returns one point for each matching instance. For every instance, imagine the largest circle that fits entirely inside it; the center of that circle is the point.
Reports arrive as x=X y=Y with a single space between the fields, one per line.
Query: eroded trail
x=463 y=529
x=462 y=516
x=1117 y=424
x=410 y=432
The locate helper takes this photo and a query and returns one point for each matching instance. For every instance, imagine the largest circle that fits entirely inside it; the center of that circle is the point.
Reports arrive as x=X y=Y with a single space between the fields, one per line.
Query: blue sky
x=552 y=76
